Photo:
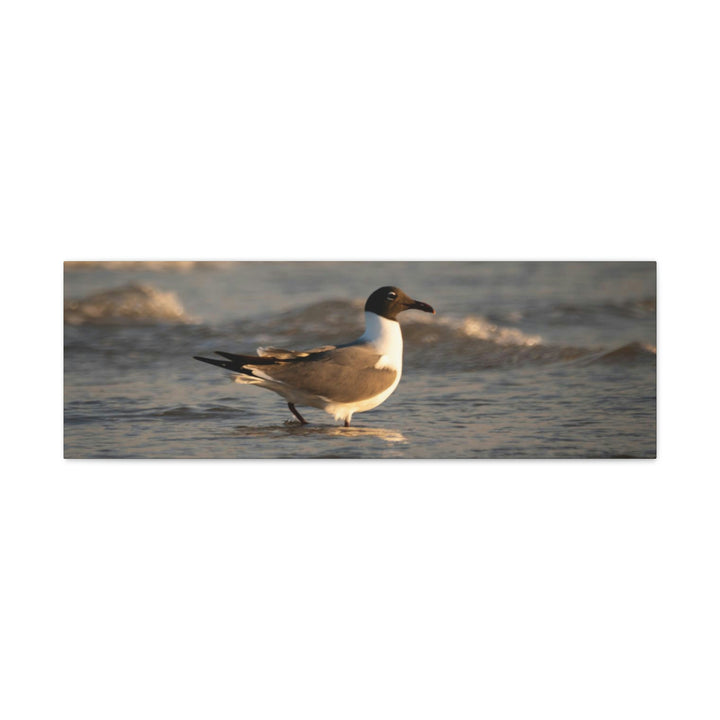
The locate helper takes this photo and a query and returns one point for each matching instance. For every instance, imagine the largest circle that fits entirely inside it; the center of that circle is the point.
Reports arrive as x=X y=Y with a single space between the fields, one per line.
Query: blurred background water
x=522 y=359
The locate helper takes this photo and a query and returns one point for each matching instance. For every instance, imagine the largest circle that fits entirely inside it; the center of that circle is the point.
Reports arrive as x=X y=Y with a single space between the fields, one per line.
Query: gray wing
x=283 y=354
x=345 y=374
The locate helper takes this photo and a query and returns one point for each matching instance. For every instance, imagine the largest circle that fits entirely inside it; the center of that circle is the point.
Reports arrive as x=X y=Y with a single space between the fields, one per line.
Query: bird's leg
x=294 y=411
x=347 y=423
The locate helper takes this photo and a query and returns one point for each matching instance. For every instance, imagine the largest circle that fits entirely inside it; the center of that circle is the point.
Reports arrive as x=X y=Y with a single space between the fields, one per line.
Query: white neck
x=385 y=335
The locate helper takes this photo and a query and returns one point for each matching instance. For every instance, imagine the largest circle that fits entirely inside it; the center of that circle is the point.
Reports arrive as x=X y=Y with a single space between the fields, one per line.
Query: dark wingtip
x=211 y=361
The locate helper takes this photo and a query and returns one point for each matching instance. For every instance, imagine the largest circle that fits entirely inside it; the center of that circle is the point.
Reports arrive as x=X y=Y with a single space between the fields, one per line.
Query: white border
x=513 y=589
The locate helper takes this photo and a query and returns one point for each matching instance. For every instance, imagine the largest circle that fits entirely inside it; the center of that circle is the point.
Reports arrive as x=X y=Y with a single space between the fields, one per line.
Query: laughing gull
x=343 y=379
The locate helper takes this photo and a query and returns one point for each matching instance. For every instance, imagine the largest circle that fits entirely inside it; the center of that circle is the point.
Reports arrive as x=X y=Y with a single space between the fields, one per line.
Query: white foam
x=479 y=327
x=129 y=303
x=476 y=326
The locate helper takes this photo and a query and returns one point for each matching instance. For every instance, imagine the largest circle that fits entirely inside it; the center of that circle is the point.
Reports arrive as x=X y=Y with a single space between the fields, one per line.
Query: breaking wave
x=129 y=304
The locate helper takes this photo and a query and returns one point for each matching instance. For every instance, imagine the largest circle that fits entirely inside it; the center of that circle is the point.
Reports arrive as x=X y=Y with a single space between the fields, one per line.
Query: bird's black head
x=388 y=301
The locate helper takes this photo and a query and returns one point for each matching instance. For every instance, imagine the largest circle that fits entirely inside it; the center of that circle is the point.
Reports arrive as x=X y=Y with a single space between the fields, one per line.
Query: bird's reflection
x=296 y=429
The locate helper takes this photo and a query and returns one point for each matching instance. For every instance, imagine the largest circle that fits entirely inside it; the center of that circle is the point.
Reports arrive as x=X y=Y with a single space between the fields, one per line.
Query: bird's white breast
x=386 y=337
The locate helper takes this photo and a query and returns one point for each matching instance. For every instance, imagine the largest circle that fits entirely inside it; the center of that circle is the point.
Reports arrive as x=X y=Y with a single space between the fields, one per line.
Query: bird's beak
x=417 y=305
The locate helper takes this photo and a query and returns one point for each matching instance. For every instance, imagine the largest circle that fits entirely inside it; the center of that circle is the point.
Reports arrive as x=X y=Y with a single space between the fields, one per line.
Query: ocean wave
x=628 y=353
x=438 y=343
x=559 y=313
x=480 y=328
x=129 y=304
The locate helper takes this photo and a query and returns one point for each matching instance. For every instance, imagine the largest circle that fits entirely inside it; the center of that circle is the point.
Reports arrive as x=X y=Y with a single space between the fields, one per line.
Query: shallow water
x=522 y=360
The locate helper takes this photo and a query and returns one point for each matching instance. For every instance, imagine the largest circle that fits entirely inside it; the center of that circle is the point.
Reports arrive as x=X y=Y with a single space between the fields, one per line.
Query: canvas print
x=443 y=360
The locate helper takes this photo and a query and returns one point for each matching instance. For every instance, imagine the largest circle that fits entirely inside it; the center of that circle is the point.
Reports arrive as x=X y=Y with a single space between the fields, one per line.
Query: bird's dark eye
x=391 y=295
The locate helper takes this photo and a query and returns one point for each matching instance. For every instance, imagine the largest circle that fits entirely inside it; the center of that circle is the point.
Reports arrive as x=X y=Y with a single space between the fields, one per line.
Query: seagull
x=341 y=380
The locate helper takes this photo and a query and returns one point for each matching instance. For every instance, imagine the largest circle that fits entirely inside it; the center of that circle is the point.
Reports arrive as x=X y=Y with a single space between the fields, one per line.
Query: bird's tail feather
x=237 y=363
